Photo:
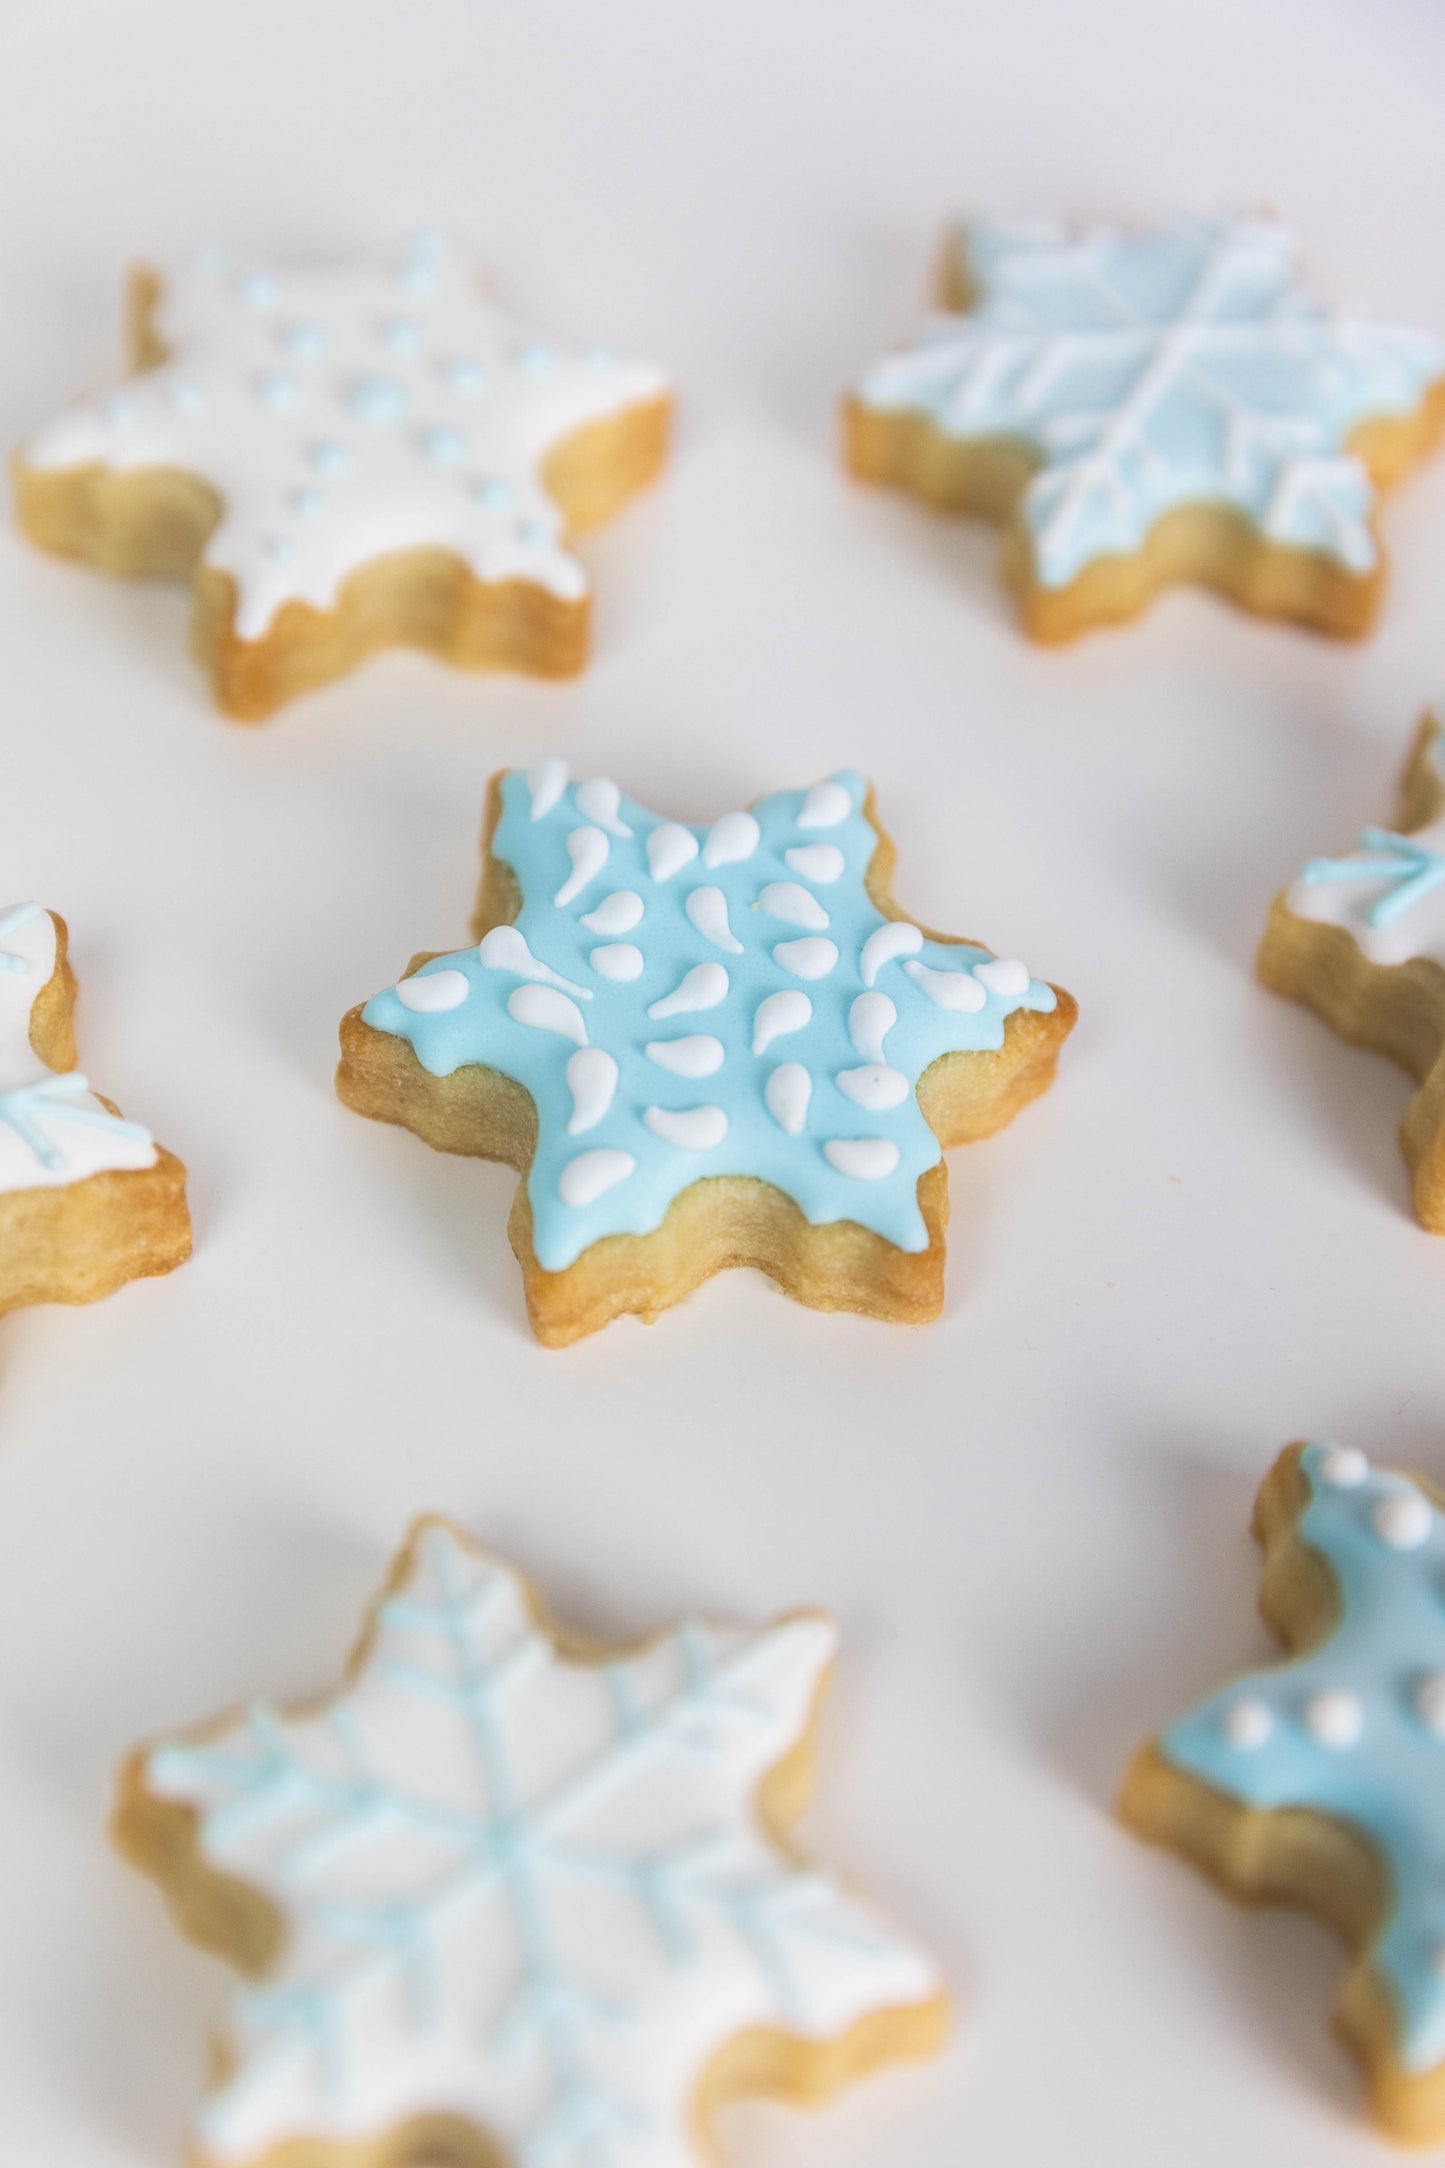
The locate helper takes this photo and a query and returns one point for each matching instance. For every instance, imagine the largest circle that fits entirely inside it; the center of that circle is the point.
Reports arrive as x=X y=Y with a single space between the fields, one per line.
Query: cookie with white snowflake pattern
x=1361 y=939
x=1320 y=1781
x=344 y=459
x=704 y=1047
x=1146 y=408
x=87 y=1200
x=510 y=1897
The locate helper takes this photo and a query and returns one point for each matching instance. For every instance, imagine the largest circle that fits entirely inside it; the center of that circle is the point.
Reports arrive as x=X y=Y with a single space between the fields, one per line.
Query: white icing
x=786 y=1095
x=780 y=1013
x=587 y=848
x=708 y=910
x=949 y=989
x=592 y=1080
x=900 y=937
x=821 y=862
x=703 y=987
x=546 y=1010
x=546 y=782
x=825 y=806
x=699 y=1054
x=736 y=836
x=1004 y=975
x=1389 y=894
x=866 y=1159
x=870 y=1019
x=693 y=1129
x=813 y=957
x=670 y=847
x=1345 y=1467
x=1248 y=1724
x=424 y=426
x=597 y=800
x=504 y=948
x=434 y=990
x=1336 y=1718
x=1403 y=1520
x=591 y=1174
x=790 y=900
x=875 y=1086
x=618 y=961
x=617 y=913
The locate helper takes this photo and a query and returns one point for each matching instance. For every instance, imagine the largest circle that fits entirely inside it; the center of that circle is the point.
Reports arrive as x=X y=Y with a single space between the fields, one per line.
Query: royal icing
x=53 y=1129
x=1184 y=365
x=1353 y=1728
x=1389 y=893
x=770 y=1070
x=345 y=413
x=527 y=1892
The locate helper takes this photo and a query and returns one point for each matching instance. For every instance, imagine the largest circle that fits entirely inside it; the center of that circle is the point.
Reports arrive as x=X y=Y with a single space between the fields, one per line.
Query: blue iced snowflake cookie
x=1320 y=1780
x=1154 y=406
x=705 y=1046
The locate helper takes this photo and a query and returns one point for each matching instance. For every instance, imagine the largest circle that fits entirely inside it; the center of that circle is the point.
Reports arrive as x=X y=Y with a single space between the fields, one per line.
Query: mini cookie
x=1321 y=1781
x=509 y=1897
x=705 y=1047
x=348 y=459
x=1362 y=940
x=1168 y=405
x=86 y=1200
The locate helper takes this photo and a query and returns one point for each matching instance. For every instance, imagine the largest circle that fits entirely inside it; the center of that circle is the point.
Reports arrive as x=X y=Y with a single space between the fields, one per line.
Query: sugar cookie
x=703 y=1047
x=1362 y=940
x=1153 y=407
x=510 y=1898
x=347 y=459
x=87 y=1200
x=1321 y=1781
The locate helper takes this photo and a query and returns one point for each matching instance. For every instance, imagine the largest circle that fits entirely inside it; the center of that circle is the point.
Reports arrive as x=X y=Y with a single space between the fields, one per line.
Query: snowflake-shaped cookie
x=1322 y=1780
x=735 y=1048
x=1361 y=938
x=349 y=457
x=506 y=1891
x=1102 y=382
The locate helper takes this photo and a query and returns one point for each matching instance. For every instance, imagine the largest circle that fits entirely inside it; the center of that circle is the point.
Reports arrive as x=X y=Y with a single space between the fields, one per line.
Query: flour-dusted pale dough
x=1361 y=939
x=507 y=1898
x=740 y=1092
x=1144 y=408
x=87 y=1200
x=348 y=458
x=1321 y=1781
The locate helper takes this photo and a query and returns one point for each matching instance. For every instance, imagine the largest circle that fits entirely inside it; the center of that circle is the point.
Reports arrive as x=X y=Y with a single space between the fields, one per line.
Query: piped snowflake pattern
x=691 y=1001
x=1187 y=365
x=524 y=1890
x=345 y=413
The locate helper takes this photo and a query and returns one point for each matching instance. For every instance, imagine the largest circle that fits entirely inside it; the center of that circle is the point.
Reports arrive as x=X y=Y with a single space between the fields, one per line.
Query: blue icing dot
x=308 y=502
x=419 y=276
x=305 y=342
x=281 y=549
x=120 y=410
x=535 y=357
x=428 y=243
x=443 y=444
x=465 y=375
x=276 y=389
x=330 y=458
x=258 y=289
x=211 y=263
x=403 y=334
x=377 y=399
x=494 y=493
x=187 y=398
x=535 y=533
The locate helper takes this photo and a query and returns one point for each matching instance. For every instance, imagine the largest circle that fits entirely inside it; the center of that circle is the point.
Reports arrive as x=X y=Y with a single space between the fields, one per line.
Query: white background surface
x=1031 y=1517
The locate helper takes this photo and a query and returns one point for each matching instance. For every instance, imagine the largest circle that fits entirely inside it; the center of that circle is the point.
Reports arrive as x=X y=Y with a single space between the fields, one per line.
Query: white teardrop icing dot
x=821 y=862
x=811 y=958
x=708 y=910
x=592 y=1081
x=786 y=1095
x=1403 y=1520
x=1004 y=976
x=1344 y=1467
x=790 y=900
x=825 y=805
x=777 y=1014
x=1430 y=1701
x=864 y=1159
x=591 y=1174
x=598 y=799
x=546 y=1010
x=875 y=1087
x=958 y=990
x=701 y=988
x=587 y=848
x=1247 y=1724
x=899 y=937
x=430 y=991
x=870 y=1020
x=618 y=961
x=699 y=1054
x=670 y=847
x=1336 y=1718
x=691 y=1129
x=617 y=913
x=735 y=837
x=504 y=948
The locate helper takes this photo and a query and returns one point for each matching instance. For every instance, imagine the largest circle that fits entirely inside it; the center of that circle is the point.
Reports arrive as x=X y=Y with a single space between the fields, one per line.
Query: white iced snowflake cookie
x=348 y=458
x=1361 y=938
x=87 y=1200
x=511 y=1897
x=1165 y=405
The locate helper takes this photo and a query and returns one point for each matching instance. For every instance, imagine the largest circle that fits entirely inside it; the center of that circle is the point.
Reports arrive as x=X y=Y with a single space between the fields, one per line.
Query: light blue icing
x=1410 y=867
x=1389 y=1642
x=481 y=1030
x=1179 y=366
x=60 y=1099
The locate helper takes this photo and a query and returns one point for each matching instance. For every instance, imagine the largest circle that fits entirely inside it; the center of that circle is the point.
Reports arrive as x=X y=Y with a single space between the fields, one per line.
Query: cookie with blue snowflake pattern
x=1143 y=408
x=1320 y=1780
x=703 y=1047
x=1361 y=939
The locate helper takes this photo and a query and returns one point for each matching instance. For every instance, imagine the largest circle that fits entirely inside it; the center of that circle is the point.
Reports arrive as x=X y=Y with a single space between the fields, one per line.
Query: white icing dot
x=699 y=1054
x=617 y=913
x=546 y=1010
x=735 y=837
x=274 y=388
x=330 y=458
x=948 y=989
x=899 y=937
x=599 y=799
x=670 y=848
x=790 y=900
x=875 y=1087
x=708 y=910
x=303 y=342
x=825 y=805
x=429 y=991
x=786 y=1095
x=402 y=334
x=816 y=861
x=1430 y=1701
x=463 y=374
x=546 y=782
x=1004 y=976
x=492 y=491
x=701 y=988
x=1403 y=1520
x=592 y=1081
x=811 y=958
x=692 y=1129
x=777 y=1014
x=865 y=1159
x=1344 y=1467
x=587 y=848
x=619 y=960
x=443 y=444
x=870 y=1020
x=591 y=1174
x=504 y=948
x=1247 y=1724
x=1336 y=1717
x=377 y=399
